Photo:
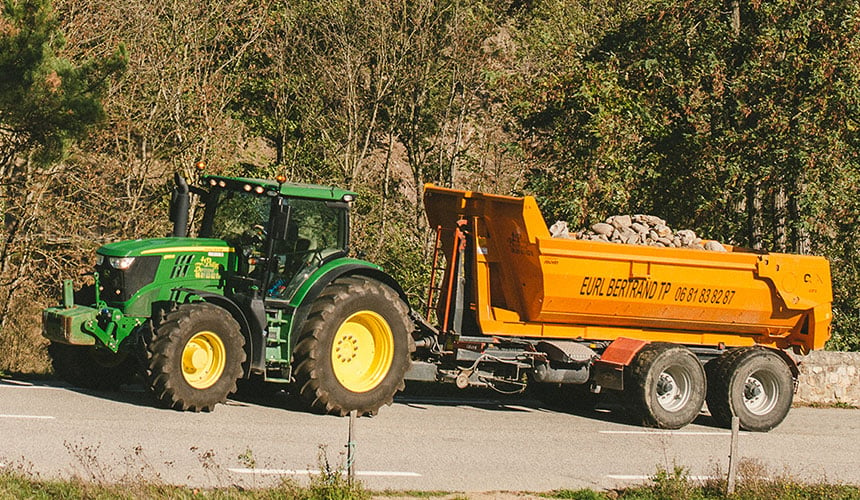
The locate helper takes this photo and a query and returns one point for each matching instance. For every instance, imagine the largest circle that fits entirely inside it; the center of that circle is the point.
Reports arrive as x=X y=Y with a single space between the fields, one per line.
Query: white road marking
x=674 y=433
x=16 y=384
x=30 y=417
x=307 y=472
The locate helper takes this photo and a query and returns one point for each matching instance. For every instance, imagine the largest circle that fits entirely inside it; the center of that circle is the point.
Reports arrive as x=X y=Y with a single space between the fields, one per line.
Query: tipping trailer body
x=522 y=282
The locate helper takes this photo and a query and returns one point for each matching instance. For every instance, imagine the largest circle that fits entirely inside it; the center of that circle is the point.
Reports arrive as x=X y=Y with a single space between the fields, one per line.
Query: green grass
x=411 y=493
x=753 y=484
x=15 y=485
x=839 y=404
x=665 y=485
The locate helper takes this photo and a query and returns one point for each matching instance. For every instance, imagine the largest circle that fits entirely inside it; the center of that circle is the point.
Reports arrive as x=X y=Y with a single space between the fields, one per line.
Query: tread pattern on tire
x=314 y=380
x=720 y=372
x=635 y=387
x=164 y=354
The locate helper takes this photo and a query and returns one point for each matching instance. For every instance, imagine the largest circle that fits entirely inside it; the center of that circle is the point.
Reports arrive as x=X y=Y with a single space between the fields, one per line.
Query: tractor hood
x=165 y=246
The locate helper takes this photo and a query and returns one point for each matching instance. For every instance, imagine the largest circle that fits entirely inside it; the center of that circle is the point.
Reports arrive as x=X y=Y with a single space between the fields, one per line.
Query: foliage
x=581 y=494
x=742 y=129
x=46 y=102
x=741 y=124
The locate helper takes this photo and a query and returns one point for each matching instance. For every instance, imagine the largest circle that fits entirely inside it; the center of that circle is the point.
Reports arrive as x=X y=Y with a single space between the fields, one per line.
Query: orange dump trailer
x=665 y=327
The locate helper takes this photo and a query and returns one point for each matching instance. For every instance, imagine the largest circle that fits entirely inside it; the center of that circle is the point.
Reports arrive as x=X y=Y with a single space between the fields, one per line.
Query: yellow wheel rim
x=203 y=360
x=362 y=351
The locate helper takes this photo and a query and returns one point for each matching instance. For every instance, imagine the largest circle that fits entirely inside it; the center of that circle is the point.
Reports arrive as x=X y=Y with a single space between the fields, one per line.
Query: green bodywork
x=176 y=270
x=193 y=263
x=282 y=329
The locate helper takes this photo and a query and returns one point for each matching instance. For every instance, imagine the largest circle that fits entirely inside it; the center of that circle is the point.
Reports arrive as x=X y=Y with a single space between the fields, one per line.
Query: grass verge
x=664 y=485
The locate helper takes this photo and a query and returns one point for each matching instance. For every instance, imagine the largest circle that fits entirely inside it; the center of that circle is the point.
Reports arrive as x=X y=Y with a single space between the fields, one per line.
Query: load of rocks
x=637 y=230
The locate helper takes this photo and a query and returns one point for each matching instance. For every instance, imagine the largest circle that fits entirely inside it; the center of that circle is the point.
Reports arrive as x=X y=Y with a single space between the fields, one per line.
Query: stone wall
x=829 y=377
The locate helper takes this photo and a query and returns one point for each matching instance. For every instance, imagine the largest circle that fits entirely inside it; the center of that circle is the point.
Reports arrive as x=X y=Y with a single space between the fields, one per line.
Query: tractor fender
x=253 y=347
x=353 y=269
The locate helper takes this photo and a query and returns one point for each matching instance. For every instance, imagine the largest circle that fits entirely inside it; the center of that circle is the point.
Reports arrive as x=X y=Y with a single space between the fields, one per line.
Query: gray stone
x=715 y=246
x=663 y=230
x=639 y=228
x=559 y=230
x=602 y=228
x=620 y=221
x=686 y=236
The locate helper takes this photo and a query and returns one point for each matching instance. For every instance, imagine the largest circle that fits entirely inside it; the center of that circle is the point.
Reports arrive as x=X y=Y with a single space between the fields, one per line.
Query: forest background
x=735 y=118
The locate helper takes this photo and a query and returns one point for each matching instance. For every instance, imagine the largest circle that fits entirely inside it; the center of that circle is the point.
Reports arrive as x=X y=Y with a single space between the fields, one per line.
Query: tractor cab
x=280 y=232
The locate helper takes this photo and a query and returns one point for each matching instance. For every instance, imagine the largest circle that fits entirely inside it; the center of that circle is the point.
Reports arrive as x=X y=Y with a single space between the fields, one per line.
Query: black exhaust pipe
x=179 y=205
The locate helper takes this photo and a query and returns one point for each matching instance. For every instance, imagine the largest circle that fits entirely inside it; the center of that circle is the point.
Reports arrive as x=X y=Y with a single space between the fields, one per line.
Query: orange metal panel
x=526 y=283
x=622 y=351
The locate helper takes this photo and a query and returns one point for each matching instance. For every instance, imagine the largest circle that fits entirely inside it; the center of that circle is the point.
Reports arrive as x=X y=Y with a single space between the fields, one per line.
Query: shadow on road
x=574 y=401
x=603 y=407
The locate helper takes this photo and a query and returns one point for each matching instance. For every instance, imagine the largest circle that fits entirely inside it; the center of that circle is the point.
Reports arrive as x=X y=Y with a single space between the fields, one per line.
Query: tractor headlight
x=100 y=259
x=121 y=263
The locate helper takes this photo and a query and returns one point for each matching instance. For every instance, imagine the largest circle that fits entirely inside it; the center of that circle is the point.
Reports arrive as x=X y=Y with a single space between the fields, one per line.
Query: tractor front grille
x=119 y=285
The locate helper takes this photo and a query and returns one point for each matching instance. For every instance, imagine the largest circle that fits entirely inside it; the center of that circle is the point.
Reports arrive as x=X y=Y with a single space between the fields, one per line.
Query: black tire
x=665 y=386
x=354 y=349
x=195 y=357
x=753 y=383
x=90 y=367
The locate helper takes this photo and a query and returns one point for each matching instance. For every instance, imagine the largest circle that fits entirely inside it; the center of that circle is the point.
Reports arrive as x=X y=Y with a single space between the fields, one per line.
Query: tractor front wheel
x=195 y=357
x=355 y=347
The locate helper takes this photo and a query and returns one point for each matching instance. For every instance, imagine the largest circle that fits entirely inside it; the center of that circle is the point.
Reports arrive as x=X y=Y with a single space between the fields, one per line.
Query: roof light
x=247 y=187
x=281 y=178
x=222 y=184
x=259 y=189
x=200 y=165
x=213 y=182
x=348 y=198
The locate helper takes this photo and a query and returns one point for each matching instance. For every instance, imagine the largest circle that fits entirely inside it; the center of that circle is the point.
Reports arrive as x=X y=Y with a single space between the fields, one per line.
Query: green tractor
x=267 y=294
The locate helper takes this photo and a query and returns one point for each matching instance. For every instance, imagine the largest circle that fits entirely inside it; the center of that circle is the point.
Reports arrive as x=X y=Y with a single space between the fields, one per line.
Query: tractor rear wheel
x=355 y=347
x=90 y=367
x=752 y=383
x=195 y=357
x=666 y=386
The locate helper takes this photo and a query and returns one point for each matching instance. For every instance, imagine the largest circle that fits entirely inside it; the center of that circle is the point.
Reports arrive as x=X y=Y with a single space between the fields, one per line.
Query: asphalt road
x=449 y=441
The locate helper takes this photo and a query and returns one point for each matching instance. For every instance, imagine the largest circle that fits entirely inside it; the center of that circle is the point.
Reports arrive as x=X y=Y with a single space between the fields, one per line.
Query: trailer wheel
x=752 y=383
x=195 y=357
x=355 y=347
x=90 y=367
x=666 y=386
